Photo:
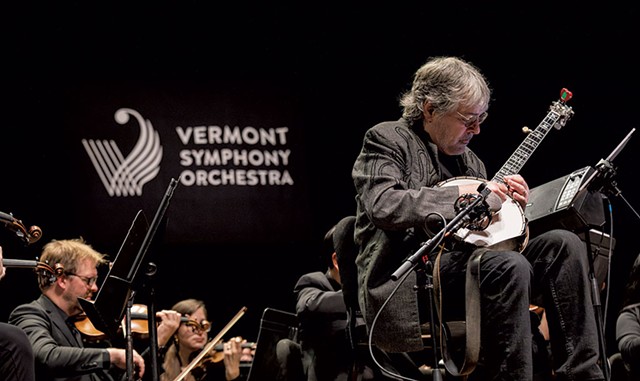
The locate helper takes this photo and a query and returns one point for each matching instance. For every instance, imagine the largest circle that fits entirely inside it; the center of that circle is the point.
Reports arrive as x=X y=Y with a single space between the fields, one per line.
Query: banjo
x=510 y=222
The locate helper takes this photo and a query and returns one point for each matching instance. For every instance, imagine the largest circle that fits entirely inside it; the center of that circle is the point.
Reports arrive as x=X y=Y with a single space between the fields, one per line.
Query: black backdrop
x=325 y=72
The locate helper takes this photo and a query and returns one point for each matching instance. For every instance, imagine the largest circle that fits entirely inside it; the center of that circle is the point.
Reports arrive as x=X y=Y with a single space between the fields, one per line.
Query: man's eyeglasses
x=89 y=281
x=471 y=120
x=203 y=326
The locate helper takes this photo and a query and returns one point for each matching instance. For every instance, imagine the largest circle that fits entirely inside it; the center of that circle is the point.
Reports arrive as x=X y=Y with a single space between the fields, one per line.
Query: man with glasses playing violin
x=68 y=271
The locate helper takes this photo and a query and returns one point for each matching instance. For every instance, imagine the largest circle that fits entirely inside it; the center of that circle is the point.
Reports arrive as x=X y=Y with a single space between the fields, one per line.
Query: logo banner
x=238 y=152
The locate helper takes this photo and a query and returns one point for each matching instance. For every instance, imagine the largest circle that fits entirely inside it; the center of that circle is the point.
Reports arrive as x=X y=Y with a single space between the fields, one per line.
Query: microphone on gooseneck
x=479 y=216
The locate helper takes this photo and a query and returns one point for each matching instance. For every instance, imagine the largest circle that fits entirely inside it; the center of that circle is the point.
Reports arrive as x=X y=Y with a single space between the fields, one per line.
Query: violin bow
x=210 y=345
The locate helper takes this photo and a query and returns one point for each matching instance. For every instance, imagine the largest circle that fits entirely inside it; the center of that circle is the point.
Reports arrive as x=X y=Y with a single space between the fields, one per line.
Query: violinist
x=190 y=338
x=16 y=356
x=70 y=273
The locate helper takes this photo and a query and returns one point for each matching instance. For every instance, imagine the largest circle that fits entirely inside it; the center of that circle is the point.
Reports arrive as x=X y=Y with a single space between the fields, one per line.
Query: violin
x=28 y=236
x=139 y=325
x=216 y=354
x=205 y=354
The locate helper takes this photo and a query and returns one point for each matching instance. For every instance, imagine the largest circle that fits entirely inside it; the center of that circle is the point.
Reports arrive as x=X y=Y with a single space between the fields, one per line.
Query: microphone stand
x=151 y=316
x=153 y=331
x=603 y=182
x=597 y=310
x=426 y=266
x=129 y=348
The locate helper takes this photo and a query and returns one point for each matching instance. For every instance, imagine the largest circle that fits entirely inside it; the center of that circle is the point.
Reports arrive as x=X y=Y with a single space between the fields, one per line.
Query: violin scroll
x=28 y=236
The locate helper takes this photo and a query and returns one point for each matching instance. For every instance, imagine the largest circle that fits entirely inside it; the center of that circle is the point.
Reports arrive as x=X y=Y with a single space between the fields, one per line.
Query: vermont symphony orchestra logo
x=125 y=176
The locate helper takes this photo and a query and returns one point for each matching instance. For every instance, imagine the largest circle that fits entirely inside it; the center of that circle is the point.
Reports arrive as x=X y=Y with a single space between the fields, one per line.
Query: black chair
x=363 y=365
x=277 y=330
x=347 y=250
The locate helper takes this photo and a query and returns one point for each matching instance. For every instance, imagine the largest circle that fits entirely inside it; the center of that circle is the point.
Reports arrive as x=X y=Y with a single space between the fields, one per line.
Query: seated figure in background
x=322 y=315
x=628 y=324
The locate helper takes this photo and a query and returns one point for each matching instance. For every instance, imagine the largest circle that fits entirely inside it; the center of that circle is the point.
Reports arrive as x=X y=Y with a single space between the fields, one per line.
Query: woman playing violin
x=190 y=338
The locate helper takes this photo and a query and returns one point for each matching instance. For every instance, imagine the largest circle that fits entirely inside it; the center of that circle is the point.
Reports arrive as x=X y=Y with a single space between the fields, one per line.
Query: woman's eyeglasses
x=203 y=326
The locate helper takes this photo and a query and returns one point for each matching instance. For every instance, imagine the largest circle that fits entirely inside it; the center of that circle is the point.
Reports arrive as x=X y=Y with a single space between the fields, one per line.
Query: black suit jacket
x=59 y=354
x=322 y=314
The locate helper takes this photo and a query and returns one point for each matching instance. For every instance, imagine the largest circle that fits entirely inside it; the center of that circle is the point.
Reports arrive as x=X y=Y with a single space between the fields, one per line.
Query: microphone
x=479 y=208
x=490 y=203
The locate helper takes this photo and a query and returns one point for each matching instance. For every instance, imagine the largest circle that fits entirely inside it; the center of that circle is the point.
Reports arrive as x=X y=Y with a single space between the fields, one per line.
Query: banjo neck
x=557 y=117
x=507 y=227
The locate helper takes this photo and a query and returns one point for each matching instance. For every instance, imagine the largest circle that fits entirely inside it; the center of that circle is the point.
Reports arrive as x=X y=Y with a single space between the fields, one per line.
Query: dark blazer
x=628 y=338
x=322 y=315
x=389 y=228
x=59 y=354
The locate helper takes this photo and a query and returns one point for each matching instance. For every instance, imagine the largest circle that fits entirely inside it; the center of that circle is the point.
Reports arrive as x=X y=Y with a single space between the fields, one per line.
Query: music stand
x=579 y=214
x=601 y=180
x=108 y=307
x=574 y=201
x=106 y=312
x=609 y=159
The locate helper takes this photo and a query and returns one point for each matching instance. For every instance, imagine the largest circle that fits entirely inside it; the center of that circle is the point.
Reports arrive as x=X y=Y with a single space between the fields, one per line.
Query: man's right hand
x=118 y=358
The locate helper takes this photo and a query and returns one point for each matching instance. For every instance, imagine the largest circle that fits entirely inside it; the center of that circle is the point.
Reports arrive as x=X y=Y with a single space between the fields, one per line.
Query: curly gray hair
x=447 y=83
